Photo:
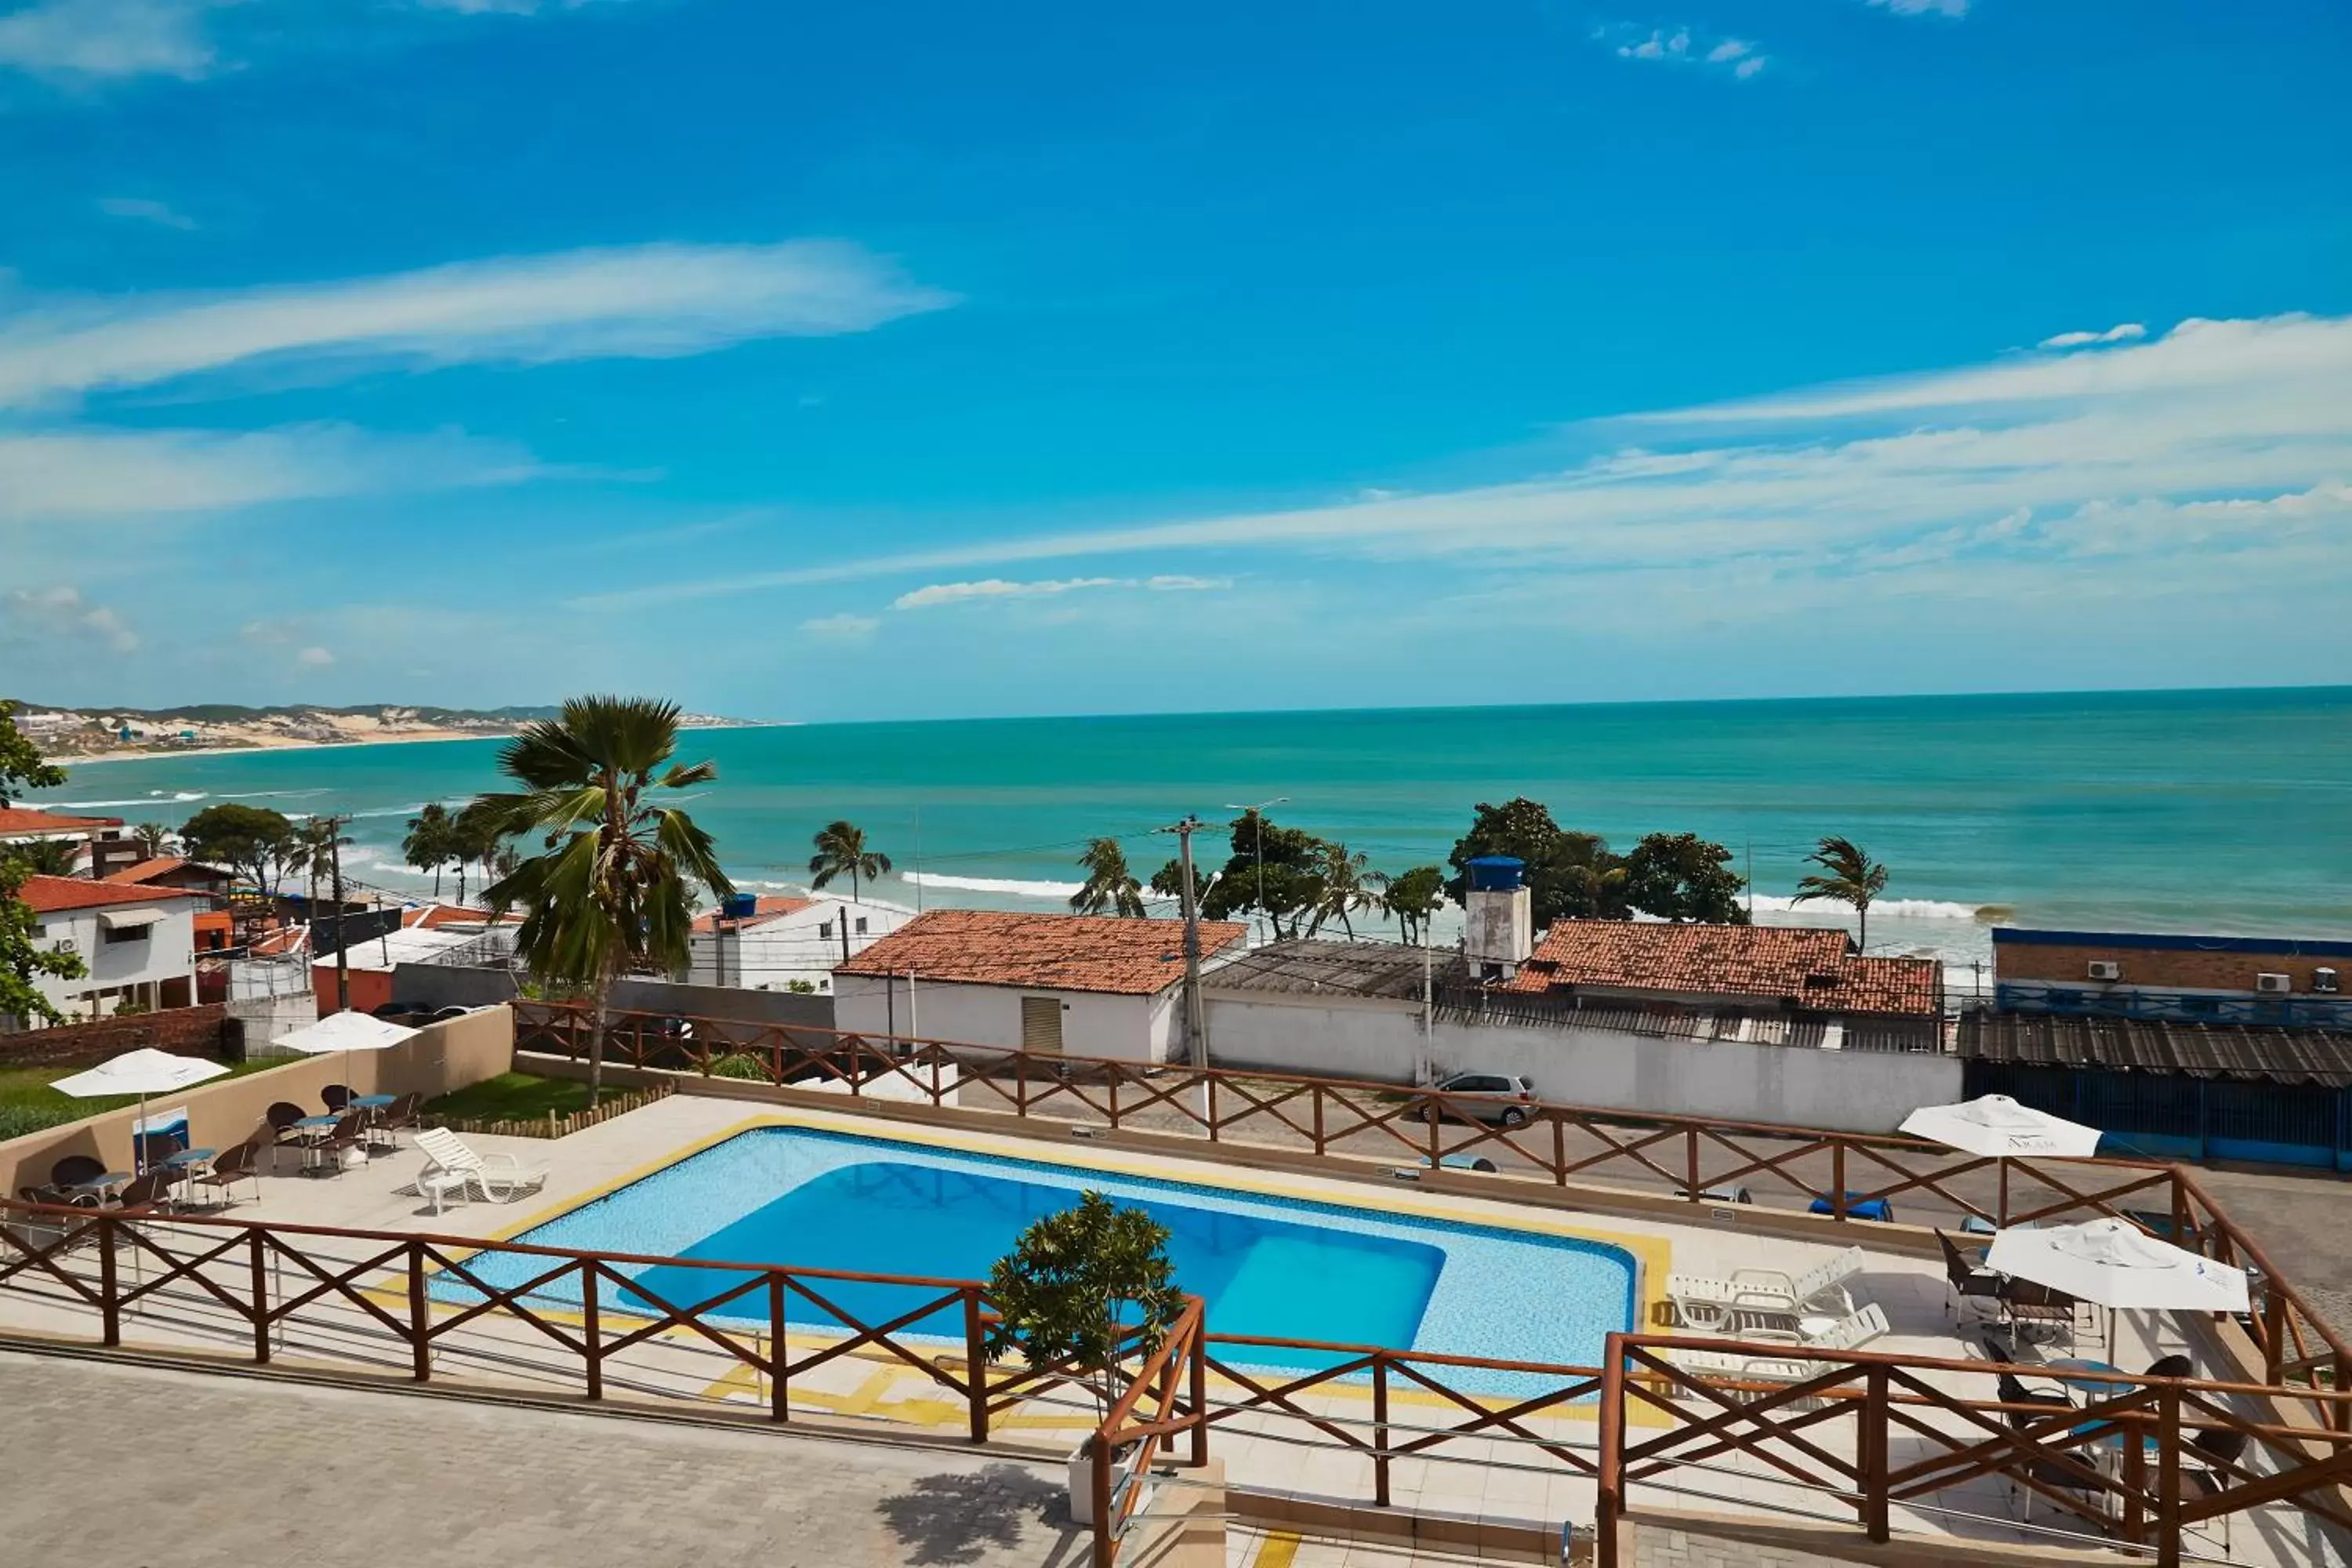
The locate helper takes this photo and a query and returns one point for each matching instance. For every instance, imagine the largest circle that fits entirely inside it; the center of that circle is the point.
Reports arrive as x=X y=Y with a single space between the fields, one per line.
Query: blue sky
x=899 y=360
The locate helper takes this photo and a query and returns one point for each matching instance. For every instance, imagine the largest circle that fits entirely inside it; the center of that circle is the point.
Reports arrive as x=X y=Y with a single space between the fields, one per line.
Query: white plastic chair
x=499 y=1176
x=1702 y=1301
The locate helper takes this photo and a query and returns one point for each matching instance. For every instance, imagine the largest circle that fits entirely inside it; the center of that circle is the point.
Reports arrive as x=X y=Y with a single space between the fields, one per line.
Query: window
x=861 y=925
x=39 y=931
x=1041 y=1024
x=825 y=930
x=110 y=935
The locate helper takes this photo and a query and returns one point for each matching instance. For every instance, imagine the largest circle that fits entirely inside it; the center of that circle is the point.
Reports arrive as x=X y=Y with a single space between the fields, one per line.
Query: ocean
x=2221 y=812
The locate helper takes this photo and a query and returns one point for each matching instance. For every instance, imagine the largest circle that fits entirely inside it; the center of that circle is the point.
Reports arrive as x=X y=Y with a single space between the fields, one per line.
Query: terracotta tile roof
x=770 y=906
x=19 y=820
x=1061 y=952
x=1807 y=966
x=148 y=870
x=57 y=895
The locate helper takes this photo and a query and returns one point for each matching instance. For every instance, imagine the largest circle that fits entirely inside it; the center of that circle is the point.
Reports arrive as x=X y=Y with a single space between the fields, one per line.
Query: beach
x=2194 y=812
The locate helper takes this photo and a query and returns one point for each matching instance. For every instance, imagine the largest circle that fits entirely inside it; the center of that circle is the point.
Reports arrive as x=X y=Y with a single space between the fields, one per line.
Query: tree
x=1682 y=877
x=429 y=845
x=20 y=961
x=153 y=838
x=21 y=767
x=45 y=857
x=1340 y=889
x=1110 y=884
x=1569 y=875
x=1278 y=870
x=841 y=852
x=1085 y=1289
x=1411 y=896
x=474 y=835
x=252 y=840
x=610 y=892
x=316 y=839
x=1852 y=877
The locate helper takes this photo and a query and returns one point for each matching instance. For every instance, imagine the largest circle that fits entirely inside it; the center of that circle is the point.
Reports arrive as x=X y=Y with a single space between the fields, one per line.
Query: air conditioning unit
x=67 y=944
x=2274 y=984
x=2105 y=969
x=2325 y=980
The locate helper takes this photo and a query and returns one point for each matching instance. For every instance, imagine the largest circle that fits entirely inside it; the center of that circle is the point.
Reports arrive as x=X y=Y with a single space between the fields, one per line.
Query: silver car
x=1505 y=1100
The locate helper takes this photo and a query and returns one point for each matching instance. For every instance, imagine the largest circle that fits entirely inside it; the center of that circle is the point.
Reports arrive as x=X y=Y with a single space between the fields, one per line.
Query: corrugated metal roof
x=2148 y=1044
x=1302 y=968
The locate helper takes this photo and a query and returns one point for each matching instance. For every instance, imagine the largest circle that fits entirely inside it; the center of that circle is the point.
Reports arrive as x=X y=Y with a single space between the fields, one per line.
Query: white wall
x=1855 y=1091
x=1135 y=1029
x=168 y=953
x=803 y=945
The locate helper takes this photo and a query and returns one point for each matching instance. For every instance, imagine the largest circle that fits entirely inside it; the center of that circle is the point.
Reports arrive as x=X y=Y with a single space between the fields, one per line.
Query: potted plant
x=1089 y=1288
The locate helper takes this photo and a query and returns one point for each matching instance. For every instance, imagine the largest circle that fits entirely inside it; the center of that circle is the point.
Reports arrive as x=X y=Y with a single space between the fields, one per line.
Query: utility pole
x=335 y=825
x=1196 y=1017
x=844 y=910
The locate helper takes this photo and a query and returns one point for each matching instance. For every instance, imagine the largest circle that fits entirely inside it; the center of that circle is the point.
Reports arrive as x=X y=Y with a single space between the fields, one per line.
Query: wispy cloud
x=62 y=477
x=27 y=614
x=1682 y=47
x=1952 y=8
x=142 y=210
x=644 y=302
x=314 y=658
x=2127 y=333
x=844 y=628
x=2218 y=436
x=86 y=40
x=939 y=593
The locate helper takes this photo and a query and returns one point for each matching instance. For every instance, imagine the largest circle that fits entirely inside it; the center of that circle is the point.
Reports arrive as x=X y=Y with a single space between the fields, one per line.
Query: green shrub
x=743 y=1065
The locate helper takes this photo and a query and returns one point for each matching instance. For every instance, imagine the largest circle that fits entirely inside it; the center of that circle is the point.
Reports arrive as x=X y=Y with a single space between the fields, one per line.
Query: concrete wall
x=1132 y=1028
x=2223 y=969
x=184 y=1031
x=452 y=985
x=1732 y=1080
x=441 y=1058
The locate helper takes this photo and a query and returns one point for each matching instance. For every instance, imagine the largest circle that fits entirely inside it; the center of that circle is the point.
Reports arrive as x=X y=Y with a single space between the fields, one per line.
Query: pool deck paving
x=872 y=1391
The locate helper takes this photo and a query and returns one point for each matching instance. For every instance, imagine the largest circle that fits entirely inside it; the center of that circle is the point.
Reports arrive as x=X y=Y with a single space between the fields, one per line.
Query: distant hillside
x=87 y=734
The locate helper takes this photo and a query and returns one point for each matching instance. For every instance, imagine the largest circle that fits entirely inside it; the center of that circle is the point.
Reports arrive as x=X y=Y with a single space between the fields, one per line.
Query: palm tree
x=153 y=837
x=1110 y=884
x=1342 y=876
x=474 y=836
x=610 y=892
x=841 y=852
x=1411 y=896
x=426 y=848
x=1853 y=878
x=315 y=842
x=49 y=856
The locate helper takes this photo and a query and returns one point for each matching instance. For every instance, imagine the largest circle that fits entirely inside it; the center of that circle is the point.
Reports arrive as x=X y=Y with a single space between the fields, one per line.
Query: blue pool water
x=1279 y=1267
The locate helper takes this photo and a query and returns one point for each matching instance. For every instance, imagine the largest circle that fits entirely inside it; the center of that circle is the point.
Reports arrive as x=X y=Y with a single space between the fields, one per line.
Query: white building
x=139 y=945
x=783 y=940
x=1078 y=985
x=100 y=848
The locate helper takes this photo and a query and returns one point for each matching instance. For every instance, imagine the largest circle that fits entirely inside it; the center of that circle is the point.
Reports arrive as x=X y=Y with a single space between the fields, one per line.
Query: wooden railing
x=1126 y=1448
x=415 y=1292
x=1686 y=1157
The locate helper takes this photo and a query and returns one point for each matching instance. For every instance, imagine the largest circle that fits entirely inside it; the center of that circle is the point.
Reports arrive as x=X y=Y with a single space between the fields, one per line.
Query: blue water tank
x=739 y=906
x=1496 y=873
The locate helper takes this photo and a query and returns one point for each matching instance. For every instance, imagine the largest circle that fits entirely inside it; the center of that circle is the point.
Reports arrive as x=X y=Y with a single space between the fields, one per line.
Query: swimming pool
x=1265 y=1265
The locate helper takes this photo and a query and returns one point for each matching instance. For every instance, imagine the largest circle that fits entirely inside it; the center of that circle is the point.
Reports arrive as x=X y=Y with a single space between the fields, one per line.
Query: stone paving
x=112 y=1466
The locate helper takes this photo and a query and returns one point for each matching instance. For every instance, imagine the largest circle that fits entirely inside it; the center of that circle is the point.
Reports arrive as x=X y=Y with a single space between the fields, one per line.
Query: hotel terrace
x=1784 y=1372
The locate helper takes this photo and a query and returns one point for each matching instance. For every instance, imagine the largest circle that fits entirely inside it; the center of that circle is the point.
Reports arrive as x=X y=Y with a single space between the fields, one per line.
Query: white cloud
x=1682 y=46
x=65 y=476
x=2124 y=334
x=642 y=301
x=142 y=210
x=842 y=628
x=1954 y=8
x=314 y=658
x=62 y=612
x=2202 y=439
x=939 y=593
x=70 y=40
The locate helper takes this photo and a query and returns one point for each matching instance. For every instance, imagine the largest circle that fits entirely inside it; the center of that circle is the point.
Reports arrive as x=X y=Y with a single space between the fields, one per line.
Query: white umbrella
x=142 y=1072
x=2113 y=1263
x=344 y=1032
x=1997 y=1126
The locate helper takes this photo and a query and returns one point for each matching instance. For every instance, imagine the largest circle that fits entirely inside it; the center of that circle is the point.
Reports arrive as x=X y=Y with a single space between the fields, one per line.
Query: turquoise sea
x=2203 y=811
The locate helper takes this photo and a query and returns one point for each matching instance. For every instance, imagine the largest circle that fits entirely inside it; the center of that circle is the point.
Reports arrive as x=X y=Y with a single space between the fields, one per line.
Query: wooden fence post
x=2273 y=1333
x=1199 y=1390
x=420 y=1316
x=109 y=1309
x=1690 y=1163
x=589 y=1335
x=1874 y=1439
x=1106 y=1532
x=1381 y=1429
x=2168 y=1475
x=1608 y=1496
x=260 y=1297
x=975 y=1352
x=780 y=1354
x=1837 y=1179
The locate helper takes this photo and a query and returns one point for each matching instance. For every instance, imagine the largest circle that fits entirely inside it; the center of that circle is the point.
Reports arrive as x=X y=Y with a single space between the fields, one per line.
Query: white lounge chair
x=1703 y=1302
x=1848 y=1332
x=499 y=1176
x=1743 y=1368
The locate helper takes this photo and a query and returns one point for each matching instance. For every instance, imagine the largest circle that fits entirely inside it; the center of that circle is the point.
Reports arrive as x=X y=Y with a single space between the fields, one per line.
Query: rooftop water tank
x=739 y=906
x=1496 y=873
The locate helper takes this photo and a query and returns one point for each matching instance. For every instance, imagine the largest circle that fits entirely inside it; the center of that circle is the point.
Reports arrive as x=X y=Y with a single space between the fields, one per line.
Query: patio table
x=186 y=1161
x=100 y=1185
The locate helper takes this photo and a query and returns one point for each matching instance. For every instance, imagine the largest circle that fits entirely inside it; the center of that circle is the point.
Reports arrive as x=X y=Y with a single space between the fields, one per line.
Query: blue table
x=372 y=1101
x=186 y=1161
x=1856 y=1208
x=101 y=1185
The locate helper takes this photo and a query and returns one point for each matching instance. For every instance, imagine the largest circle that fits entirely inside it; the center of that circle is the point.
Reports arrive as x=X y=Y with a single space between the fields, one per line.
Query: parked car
x=1505 y=1100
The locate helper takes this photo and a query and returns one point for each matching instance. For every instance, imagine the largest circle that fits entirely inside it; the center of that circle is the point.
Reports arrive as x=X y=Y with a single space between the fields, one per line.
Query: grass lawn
x=513 y=1097
x=27 y=1103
